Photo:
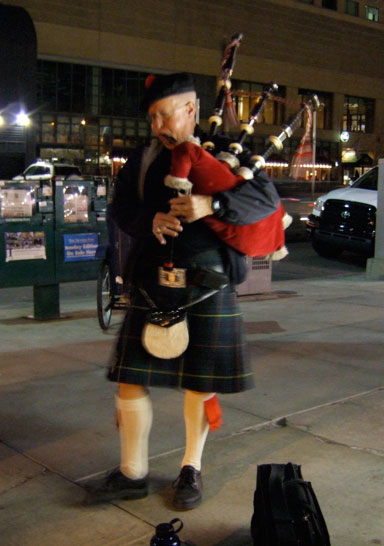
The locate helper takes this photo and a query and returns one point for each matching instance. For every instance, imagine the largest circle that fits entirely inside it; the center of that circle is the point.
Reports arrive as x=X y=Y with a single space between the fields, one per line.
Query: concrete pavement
x=317 y=354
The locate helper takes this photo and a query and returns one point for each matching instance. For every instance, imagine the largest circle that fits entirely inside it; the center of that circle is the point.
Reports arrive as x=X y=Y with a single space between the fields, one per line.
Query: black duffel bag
x=286 y=511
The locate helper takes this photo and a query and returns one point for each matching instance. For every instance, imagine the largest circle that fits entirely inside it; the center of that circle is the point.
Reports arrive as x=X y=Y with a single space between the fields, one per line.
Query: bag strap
x=317 y=528
x=152 y=304
x=279 y=507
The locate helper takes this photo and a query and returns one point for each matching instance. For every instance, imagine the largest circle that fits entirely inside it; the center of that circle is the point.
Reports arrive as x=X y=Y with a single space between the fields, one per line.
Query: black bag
x=286 y=511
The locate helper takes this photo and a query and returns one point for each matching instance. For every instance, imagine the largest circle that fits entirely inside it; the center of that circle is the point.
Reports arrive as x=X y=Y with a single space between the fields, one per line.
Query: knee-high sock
x=196 y=427
x=135 y=421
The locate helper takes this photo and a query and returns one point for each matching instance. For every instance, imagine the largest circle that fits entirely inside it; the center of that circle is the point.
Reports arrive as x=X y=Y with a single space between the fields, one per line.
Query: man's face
x=173 y=118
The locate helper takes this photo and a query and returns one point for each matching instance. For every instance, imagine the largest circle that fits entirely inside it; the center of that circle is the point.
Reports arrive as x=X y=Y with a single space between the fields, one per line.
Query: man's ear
x=191 y=108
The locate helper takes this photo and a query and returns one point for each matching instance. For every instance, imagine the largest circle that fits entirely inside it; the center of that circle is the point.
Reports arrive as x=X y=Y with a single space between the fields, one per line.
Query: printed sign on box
x=80 y=246
x=25 y=245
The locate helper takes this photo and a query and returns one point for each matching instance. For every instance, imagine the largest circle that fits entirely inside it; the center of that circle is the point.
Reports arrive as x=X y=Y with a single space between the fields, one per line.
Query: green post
x=46 y=301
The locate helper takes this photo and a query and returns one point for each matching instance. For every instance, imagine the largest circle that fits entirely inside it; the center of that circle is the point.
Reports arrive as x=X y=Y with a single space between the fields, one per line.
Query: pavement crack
x=22 y=482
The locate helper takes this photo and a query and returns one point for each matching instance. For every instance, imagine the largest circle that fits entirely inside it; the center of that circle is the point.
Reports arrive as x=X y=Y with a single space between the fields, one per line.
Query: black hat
x=160 y=86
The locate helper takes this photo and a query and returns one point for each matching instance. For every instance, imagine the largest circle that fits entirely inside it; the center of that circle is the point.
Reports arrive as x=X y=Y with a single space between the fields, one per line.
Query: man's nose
x=157 y=123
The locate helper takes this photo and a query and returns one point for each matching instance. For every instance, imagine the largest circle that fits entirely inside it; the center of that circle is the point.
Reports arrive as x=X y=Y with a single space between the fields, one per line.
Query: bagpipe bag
x=209 y=176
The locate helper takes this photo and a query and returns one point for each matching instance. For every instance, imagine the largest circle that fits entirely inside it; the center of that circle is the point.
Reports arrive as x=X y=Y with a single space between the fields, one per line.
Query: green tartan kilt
x=216 y=359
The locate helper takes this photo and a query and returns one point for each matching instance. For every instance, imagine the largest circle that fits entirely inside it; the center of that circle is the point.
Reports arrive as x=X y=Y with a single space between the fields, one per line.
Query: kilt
x=216 y=359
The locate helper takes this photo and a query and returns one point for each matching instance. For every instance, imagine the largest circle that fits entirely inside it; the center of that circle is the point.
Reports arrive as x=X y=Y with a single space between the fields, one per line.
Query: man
x=167 y=227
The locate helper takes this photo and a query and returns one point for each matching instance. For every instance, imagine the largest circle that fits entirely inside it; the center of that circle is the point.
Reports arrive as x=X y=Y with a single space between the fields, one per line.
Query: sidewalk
x=317 y=353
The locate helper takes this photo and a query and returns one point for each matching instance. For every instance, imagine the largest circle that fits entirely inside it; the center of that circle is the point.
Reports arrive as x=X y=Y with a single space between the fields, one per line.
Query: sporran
x=165 y=334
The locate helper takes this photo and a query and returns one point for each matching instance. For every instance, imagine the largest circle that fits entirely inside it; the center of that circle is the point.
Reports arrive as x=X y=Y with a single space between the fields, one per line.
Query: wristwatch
x=217 y=206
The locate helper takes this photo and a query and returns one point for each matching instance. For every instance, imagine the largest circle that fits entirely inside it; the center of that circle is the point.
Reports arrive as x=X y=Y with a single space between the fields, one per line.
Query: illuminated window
x=358 y=114
x=371 y=13
x=63 y=129
x=48 y=129
x=245 y=96
x=324 y=114
x=352 y=7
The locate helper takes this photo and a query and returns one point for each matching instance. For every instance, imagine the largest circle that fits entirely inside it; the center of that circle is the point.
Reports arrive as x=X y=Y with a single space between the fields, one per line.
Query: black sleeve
x=127 y=209
x=249 y=201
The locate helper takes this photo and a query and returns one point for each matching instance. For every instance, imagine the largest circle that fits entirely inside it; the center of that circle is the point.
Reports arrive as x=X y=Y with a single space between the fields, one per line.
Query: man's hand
x=191 y=207
x=165 y=224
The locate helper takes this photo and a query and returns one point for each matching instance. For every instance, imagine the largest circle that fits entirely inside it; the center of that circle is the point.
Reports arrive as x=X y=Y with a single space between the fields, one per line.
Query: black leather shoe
x=189 y=489
x=116 y=486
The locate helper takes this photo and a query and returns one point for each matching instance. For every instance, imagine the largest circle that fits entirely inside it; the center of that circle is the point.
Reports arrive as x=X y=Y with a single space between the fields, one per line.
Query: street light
x=344 y=136
x=22 y=119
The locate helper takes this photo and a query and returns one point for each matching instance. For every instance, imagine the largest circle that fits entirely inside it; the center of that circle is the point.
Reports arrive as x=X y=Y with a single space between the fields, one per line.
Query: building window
x=246 y=95
x=206 y=92
x=352 y=7
x=48 y=129
x=121 y=92
x=324 y=114
x=358 y=115
x=63 y=87
x=329 y=4
x=371 y=13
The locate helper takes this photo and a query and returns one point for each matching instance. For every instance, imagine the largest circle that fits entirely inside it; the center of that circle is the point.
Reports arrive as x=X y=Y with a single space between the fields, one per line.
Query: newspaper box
x=80 y=227
x=26 y=241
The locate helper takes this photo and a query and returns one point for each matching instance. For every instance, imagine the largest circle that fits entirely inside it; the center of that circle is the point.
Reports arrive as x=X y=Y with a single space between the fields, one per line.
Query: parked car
x=46 y=170
x=345 y=218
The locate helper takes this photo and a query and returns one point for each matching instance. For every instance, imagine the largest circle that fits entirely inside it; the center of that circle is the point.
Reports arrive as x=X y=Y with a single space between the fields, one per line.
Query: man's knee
x=131 y=392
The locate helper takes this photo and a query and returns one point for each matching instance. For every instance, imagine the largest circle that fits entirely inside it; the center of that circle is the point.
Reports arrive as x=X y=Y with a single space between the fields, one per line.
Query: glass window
x=107 y=91
x=368 y=181
x=358 y=114
x=143 y=128
x=63 y=129
x=91 y=134
x=63 y=87
x=46 y=85
x=77 y=131
x=352 y=7
x=245 y=97
x=130 y=127
x=371 y=13
x=121 y=92
x=48 y=129
x=206 y=93
x=329 y=4
x=79 y=82
x=76 y=204
x=37 y=171
x=117 y=127
x=324 y=114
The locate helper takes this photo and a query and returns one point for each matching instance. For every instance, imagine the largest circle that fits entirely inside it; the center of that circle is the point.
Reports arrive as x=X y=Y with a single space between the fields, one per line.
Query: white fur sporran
x=165 y=338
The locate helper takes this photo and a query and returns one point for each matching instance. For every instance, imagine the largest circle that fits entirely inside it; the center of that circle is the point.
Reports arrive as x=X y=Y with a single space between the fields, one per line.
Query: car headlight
x=318 y=205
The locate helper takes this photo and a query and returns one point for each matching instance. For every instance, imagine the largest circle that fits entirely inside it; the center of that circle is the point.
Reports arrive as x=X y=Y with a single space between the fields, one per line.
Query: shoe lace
x=187 y=477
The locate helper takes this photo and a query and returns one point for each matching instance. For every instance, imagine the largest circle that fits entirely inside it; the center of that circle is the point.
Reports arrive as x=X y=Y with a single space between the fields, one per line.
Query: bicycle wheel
x=104 y=296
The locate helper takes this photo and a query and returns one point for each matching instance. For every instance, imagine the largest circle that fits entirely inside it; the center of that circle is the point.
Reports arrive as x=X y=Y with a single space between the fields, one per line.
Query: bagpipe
x=195 y=170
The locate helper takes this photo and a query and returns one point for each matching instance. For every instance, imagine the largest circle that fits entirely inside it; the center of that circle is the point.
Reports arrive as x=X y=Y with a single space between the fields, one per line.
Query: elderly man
x=166 y=226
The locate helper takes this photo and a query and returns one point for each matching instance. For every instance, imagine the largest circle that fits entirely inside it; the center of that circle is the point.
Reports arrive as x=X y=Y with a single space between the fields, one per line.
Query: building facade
x=93 y=58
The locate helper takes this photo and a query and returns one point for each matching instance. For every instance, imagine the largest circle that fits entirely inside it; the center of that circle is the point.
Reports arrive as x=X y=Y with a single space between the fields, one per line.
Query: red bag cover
x=209 y=176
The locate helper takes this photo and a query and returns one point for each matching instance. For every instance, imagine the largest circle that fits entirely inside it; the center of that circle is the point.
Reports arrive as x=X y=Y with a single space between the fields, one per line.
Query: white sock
x=135 y=421
x=196 y=427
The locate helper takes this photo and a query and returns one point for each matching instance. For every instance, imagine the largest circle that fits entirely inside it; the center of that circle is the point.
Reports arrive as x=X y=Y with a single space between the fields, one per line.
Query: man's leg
x=189 y=485
x=134 y=415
